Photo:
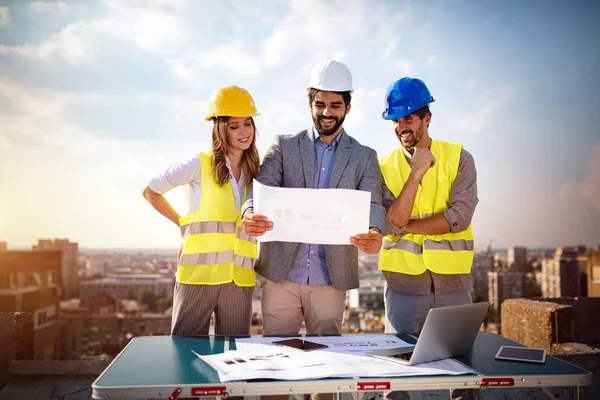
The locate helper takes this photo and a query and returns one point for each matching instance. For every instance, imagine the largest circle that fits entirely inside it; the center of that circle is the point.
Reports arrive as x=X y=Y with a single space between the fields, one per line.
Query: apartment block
x=517 y=258
x=69 y=267
x=593 y=273
x=120 y=285
x=30 y=284
x=505 y=285
x=560 y=275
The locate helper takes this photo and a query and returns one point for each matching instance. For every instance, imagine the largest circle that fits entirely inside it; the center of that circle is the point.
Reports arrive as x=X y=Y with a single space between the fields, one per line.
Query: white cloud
x=150 y=25
x=48 y=6
x=365 y=103
x=587 y=189
x=4 y=16
x=312 y=27
x=404 y=67
x=233 y=56
x=33 y=103
x=69 y=43
x=390 y=48
x=55 y=165
x=180 y=69
x=479 y=120
x=471 y=83
x=431 y=58
x=158 y=29
x=309 y=31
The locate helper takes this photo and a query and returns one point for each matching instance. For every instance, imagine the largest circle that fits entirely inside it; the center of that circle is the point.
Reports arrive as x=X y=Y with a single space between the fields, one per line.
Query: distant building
x=120 y=285
x=102 y=324
x=30 y=283
x=517 y=258
x=71 y=322
x=482 y=264
x=505 y=285
x=3 y=246
x=582 y=261
x=560 y=275
x=369 y=294
x=69 y=269
x=368 y=261
x=368 y=298
x=593 y=273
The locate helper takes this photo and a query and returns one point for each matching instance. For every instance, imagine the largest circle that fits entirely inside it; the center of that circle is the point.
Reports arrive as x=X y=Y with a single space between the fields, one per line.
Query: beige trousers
x=285 y=305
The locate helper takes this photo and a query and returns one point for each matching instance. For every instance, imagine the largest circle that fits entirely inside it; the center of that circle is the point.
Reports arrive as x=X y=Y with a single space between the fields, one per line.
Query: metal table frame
x=157 y=367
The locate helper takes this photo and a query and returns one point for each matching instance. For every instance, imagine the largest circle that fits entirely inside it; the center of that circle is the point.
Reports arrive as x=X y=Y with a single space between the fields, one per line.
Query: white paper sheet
x=360 y=343
x=317 y=364
x=319 y=216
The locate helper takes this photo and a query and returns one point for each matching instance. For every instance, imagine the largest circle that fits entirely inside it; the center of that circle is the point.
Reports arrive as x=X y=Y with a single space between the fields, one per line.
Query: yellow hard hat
x=231 y=101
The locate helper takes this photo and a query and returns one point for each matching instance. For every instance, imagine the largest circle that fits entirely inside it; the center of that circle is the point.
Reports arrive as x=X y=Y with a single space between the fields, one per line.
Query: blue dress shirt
x=310 y=266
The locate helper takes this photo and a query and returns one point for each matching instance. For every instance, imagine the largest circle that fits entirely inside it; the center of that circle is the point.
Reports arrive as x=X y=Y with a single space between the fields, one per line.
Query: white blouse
x=188 y=172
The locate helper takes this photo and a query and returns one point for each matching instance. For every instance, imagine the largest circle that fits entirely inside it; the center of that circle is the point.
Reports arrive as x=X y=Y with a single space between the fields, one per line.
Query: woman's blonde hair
x=220 y=145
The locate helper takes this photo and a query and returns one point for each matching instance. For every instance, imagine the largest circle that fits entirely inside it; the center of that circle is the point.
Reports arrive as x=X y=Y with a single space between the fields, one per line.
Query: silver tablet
x=524 y=354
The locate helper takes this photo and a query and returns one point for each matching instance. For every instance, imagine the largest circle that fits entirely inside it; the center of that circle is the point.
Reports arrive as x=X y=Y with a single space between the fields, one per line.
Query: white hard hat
x=332 y=76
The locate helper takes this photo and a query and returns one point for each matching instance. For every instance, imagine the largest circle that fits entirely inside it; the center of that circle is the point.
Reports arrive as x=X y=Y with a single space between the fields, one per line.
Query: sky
x=97 y=97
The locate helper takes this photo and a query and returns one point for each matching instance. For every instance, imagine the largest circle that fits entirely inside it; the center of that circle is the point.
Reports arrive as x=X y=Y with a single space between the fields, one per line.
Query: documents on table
x=319 y=216
x=256 y=358
x=334 y=343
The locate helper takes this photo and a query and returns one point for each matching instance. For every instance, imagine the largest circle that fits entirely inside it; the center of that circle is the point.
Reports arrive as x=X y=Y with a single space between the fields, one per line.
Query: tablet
x=524 y=354
x=300 y=344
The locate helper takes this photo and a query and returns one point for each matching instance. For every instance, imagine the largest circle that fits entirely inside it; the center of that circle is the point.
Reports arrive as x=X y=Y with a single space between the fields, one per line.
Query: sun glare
x=177 y=200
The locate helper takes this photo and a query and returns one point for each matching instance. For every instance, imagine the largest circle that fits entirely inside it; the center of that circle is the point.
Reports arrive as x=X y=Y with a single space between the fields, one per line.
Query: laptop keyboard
x=404 y=356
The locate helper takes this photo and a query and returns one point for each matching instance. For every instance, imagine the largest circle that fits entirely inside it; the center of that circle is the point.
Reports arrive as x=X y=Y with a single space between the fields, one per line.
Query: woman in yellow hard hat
x=215 y=271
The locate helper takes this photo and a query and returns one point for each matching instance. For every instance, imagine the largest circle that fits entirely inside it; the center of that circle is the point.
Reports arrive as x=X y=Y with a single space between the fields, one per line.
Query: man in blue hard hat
x=427 y=255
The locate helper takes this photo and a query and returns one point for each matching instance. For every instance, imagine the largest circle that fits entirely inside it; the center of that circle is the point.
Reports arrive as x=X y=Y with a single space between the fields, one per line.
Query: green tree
x=146 y=296
x=163 y=303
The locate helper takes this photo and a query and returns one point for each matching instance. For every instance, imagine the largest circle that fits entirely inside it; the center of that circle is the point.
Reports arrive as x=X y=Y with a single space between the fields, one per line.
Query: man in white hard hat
x=308 y=282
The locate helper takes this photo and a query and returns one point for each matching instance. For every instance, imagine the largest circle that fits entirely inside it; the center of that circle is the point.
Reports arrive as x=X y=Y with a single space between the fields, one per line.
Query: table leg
x=549 y=393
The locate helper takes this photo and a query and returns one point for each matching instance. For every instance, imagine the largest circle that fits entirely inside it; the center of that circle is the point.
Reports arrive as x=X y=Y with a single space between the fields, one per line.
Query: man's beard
x=416 y=138
x=328 y=131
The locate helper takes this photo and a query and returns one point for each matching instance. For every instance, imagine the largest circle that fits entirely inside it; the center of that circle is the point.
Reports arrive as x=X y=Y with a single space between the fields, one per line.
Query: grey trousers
x=405 y=313
x=193 y=306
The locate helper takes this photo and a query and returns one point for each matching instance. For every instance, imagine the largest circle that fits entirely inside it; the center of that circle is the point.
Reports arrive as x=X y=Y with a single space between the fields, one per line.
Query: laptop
x=447 y=332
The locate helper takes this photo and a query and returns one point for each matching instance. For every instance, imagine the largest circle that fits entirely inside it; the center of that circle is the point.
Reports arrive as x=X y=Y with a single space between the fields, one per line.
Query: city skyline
x=95 y=100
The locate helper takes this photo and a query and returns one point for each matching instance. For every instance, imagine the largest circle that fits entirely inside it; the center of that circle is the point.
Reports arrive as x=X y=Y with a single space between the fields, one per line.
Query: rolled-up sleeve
x=463 y=195
x=387 y=199
x=178 y=174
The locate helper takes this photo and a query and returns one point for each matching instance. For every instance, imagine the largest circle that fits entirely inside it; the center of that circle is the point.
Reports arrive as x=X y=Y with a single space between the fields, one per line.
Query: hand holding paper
x=368 y=242
x=255 y=224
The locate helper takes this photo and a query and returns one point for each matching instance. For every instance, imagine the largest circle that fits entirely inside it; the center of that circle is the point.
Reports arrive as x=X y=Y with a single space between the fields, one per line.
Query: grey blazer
x=290 y=162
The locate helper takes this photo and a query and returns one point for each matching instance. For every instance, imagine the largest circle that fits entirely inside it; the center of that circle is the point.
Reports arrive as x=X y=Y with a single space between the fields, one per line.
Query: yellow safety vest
x=215 y=248
x=413 y=254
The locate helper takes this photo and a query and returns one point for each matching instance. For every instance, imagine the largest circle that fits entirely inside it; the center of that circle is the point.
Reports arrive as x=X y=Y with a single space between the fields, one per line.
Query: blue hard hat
x=405 y=96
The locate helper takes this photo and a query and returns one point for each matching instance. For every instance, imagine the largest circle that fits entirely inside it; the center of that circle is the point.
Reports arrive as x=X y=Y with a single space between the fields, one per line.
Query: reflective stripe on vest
x=409 y=253
x=216 y=258
x=407 y=245
x=215 y=248
x=215 y=227
x=207 y=227
x=415 y=248
x=454 y=245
